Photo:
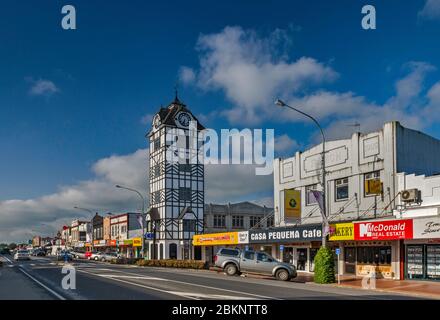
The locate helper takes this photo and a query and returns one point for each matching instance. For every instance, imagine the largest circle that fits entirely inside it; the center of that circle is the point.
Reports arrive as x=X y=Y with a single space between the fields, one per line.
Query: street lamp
x=280 y=103
x=91 y=222
x=143 y=214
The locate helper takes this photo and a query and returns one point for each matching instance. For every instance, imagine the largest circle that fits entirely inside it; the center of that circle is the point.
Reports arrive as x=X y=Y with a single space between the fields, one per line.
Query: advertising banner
x=384 y=230
x=243 y=237
x=214 y=239
x=137 y=242
x=292 y=204
x=425 y=228
x=287 y=234
x=341 y=231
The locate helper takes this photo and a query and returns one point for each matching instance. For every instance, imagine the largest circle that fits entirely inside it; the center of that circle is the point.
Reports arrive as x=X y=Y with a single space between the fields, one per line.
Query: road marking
x=214 y=288
x=141 y=285
x=130 y=277
x=43 y=285
x=7 y=259
x=213 y=296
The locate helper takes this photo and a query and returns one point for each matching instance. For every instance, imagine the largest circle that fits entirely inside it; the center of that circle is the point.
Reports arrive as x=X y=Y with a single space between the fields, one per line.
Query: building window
x=184 y=167
x=370 y=176
x=156 y=197
x=157 y=170
x=219 y=221
x=185 y=194
x=341 y=186
x=310 y=198
x=156 y=144
x=254 y=220
x=270 y=221
x=189 y=225
x=237 y=222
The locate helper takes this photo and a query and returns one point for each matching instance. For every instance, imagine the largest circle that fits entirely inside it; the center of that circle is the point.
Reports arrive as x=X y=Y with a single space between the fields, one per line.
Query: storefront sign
x=128 y=242
x=111 y=243
x=425 y=228
x=243 y=237
x=292 y=204
x=384 y=230
x=137 y=242
x=214 y=239
x=287 y=234
x=341 y=231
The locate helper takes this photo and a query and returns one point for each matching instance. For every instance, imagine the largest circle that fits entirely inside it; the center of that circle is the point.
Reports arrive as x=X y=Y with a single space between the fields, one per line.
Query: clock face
x=183 y=118
x=156 y=121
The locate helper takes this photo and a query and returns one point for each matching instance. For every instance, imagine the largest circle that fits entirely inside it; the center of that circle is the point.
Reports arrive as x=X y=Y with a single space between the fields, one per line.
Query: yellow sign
x=341 y=231
x=137 y=242
x=373 y=186
x=292 y=204
x=214 y=239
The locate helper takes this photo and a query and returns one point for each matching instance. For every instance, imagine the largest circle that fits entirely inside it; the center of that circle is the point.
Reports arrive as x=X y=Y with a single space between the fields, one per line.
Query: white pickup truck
x=235 y=261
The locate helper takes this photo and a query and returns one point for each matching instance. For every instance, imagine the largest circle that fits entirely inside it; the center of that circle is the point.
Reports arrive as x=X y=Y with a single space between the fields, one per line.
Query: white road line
x=7 y=259
x=141 y=285
x=213 y=296
x=209 y=287
x=43 y=285
x=131 y=277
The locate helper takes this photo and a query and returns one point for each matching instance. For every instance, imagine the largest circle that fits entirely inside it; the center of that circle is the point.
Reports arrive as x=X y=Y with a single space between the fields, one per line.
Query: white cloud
x=431 y=10
x=46 y=214
x=285 y=145
x=245 y=67
x=42 y=87
x=252 y=73
x=186 y=75
x=147 y=119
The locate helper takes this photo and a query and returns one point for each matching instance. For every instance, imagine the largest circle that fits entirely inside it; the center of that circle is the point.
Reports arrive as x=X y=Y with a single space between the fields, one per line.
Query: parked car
x=109 y=256
x=88 y=254
x=95 y=255
x=79 y=254
x=22 y=255
x=39 y=253
x=235 y=261
x=64 y=255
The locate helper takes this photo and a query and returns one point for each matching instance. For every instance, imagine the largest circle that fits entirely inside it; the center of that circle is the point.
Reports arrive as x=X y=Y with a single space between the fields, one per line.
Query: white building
x=380 y=155
x=176 y=188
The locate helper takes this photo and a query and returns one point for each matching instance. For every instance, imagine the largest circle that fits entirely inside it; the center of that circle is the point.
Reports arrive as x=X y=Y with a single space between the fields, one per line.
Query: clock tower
x=176 y=184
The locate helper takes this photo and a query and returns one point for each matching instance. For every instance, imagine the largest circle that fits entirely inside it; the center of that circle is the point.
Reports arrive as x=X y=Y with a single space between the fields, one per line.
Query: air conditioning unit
x=410 y=195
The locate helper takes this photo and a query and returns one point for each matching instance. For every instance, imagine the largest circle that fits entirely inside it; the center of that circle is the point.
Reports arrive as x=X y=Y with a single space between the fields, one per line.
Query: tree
x=12 y=246
x=324 y=266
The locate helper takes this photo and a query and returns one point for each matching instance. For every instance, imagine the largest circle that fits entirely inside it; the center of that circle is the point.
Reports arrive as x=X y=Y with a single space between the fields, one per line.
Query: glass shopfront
x=423 y=262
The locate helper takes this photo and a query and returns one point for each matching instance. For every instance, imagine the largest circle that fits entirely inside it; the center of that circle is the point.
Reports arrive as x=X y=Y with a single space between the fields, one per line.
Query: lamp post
x=143 y=214
x=325 y=228
x=91 y=222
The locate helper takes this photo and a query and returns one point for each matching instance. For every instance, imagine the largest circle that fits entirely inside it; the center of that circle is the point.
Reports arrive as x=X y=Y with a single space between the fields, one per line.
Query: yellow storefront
x=214 y=241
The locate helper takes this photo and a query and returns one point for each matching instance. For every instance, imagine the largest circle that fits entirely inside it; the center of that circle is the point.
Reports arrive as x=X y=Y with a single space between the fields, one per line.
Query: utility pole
x=325 y=225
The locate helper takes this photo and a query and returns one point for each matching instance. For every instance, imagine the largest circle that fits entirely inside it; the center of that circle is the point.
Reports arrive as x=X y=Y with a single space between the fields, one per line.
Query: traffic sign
x=338 y=251
x=281 y=247
x=149 y=236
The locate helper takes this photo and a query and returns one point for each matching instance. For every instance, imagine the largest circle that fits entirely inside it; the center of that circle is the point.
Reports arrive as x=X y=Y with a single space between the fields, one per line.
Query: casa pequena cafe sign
x=287 y=234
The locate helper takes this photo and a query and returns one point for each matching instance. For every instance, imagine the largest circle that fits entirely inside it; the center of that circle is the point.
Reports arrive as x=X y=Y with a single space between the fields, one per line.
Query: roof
x=167 y=114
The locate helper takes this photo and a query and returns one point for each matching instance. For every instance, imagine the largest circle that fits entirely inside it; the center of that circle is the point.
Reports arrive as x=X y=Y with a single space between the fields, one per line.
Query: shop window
x=341 y=186
x=310 y=198
x=374 y=255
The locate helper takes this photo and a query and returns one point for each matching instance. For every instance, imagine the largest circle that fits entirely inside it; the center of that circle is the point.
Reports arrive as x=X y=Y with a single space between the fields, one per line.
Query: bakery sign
x=384 y=230
x=425 y=228
x=287 y=234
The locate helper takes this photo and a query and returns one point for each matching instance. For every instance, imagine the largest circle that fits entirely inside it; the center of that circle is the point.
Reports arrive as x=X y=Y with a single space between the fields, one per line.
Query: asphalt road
x=42 y=278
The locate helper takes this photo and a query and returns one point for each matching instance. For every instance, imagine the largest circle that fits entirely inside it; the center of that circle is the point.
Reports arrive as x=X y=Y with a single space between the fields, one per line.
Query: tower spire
x=176 y=92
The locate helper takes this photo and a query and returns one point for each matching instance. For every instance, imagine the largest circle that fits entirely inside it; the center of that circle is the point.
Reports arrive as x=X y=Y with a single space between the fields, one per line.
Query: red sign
x=384 y=230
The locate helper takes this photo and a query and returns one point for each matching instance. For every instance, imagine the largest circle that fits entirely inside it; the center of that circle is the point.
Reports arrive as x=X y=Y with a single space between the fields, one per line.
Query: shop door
x=288 y=255
x=301 y=259
x=350 y=260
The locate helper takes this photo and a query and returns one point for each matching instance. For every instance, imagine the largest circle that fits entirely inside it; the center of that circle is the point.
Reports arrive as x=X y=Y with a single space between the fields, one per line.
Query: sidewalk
x=426 y=289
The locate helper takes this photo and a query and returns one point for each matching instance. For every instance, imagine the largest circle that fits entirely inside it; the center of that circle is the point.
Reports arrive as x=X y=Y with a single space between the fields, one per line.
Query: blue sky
x=69 y=100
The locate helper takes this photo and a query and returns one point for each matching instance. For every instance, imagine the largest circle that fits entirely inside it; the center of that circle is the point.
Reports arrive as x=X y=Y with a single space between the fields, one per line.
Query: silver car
x=235 y=261
x=22 y=255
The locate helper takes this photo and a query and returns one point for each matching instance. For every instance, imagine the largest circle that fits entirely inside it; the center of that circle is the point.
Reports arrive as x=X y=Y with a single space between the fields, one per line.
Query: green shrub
x=324 y=266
